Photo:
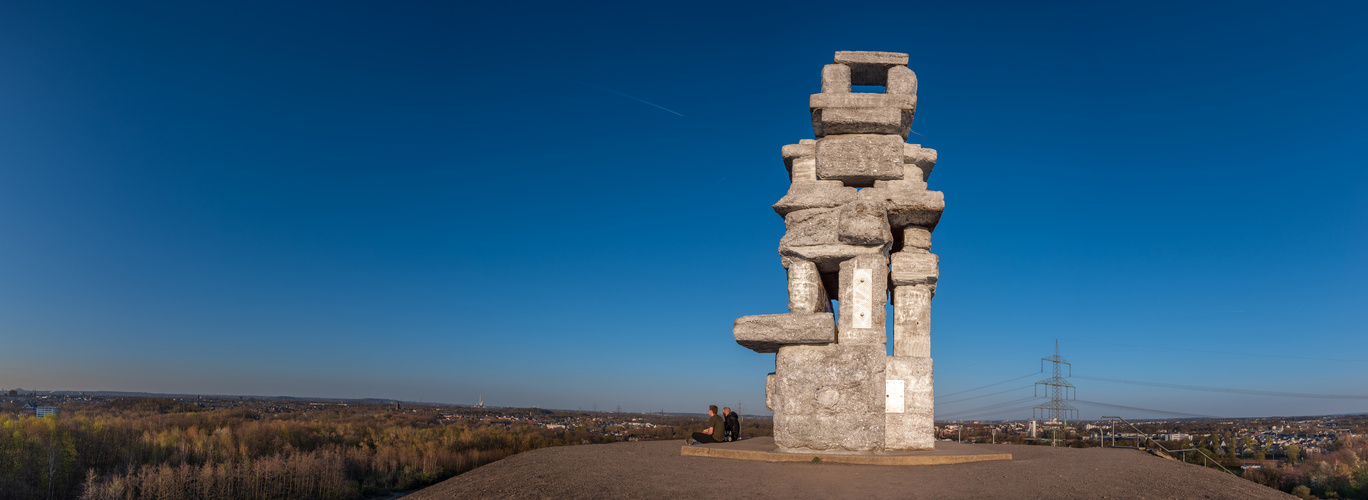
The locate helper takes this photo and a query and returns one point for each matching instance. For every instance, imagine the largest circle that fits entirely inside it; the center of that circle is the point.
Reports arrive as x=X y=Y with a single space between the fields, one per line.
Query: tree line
x=156 y=448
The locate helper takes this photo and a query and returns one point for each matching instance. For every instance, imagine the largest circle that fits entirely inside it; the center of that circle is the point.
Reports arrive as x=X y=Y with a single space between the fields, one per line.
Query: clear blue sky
x=567 y=206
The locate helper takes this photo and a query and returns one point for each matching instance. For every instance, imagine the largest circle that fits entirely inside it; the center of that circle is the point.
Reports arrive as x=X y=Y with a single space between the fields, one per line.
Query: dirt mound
x=657 y=470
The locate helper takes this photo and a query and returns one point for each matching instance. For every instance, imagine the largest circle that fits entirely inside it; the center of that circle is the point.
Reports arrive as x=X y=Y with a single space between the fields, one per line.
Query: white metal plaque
x=894 y=397
x=861 y=298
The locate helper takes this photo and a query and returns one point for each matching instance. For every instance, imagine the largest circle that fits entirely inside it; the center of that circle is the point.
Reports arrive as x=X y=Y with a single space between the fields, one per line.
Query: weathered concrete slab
x=901 y=80
x=769 y=332
x=813 y=235
x=859 y=159
x=804 y=195
x=805 y=169
x=912 y=425
x=915 y=267
x=813 y=226
x=805 y=290
x=912 y=320
x=836 y=79
x=885 y=120
x=827 y=257
x=829 y=398
x=923 y=158
x=907 y=207
x=863 y=100
x=863 y=301
x=870 y=68
x=861 y=113
x=856 y=57
x=863 y=223
x=804 y=148
x=769 y=391
x=917 y=237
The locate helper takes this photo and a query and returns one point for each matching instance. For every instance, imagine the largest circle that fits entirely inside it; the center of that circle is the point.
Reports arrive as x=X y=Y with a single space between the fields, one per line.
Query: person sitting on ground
x=714 y=432
x=733 y=424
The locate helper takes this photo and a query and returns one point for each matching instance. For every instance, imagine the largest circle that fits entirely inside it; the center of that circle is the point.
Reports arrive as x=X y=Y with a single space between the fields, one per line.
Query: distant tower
x=1059 y=392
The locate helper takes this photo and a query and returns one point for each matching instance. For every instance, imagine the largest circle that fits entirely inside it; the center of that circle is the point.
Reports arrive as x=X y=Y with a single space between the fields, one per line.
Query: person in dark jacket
x=715 y=431
x=733 y=424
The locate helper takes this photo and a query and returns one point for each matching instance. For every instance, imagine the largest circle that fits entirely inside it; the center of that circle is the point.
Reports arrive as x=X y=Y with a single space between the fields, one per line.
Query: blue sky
x=567 y=206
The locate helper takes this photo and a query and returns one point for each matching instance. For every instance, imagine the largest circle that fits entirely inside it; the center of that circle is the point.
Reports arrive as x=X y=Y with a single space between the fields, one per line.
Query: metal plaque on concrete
x=894 y=402
x=861 y=298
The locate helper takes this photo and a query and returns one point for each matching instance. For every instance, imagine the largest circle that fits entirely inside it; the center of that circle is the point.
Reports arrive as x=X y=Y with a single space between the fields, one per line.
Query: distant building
x=13 y=393
x=43 y=411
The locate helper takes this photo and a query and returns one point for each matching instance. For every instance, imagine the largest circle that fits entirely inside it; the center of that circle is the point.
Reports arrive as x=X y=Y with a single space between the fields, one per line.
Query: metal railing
x=1205 y=456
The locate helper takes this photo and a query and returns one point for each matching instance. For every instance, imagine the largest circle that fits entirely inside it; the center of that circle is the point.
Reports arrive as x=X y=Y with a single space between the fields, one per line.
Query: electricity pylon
x=1059 y=392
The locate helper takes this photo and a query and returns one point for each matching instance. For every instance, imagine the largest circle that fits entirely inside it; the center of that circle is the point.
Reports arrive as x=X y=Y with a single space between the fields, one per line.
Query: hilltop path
x=656 y=470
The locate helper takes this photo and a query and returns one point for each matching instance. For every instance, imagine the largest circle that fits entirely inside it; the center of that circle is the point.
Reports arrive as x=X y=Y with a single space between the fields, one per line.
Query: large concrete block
x=915 y=267
x=805 y=290
x=805 y=169
x=836 y=79
x=804 y=148
x=911 y=424
x=829 y=398
x=833 y=121
x=854 y=57
x=862 y=113
x=769 y=392
x=813 y=226
x=907 y=207
x=804 y=195
x=917 y=237
x=863 y=223
x=912 y=320
x=859 y=159
x=863 y=100
x=923 y=158
x=827 y=257
x=901 y=81
x=769 y=332
x=911 y=181
x=863 y=301
x=812 y=235
x=870 y=68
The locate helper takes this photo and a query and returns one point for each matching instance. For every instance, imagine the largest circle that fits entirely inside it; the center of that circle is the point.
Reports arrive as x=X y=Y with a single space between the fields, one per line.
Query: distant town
x=1312 y=456
x=1262 y=437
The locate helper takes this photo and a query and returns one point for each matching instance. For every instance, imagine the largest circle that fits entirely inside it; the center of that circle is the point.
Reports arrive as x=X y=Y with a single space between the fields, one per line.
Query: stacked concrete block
x=859 y=219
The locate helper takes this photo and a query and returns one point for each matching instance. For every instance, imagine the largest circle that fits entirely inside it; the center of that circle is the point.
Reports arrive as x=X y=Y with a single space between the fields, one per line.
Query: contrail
x=637 y=99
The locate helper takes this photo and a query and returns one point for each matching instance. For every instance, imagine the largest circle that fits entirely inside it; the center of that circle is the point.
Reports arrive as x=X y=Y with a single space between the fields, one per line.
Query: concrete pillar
x=863 y=301
x=909 y=412
x=805 y=290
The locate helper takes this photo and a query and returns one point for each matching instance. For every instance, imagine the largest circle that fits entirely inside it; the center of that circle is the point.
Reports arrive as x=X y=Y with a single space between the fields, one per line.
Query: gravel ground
x=656 y=470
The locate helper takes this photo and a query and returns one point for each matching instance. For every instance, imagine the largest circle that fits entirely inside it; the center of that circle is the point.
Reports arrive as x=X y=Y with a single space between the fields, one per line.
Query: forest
x=157 y=448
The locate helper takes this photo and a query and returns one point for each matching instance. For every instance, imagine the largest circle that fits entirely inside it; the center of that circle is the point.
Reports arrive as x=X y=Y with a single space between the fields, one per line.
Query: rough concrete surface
x=656 y=470
x=769 y=332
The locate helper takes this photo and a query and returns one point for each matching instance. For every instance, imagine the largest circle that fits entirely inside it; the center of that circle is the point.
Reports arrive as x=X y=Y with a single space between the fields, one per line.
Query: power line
x=1167 y=348
x=985 y=360
x=1028 y=375
x=981 y=415
x=1229 y=390
x=992 y=406
x=1136 y=408
x=984 y=396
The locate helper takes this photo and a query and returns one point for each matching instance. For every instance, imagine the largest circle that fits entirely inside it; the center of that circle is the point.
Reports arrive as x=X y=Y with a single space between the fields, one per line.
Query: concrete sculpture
x=859 y=221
